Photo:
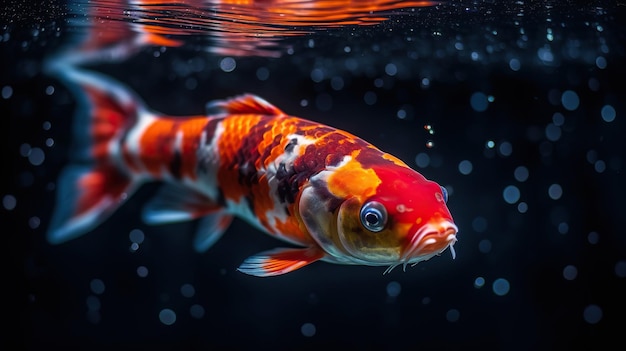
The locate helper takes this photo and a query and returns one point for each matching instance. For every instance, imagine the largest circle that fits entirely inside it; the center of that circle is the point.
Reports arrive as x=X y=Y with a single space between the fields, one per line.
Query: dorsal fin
x=243 y=104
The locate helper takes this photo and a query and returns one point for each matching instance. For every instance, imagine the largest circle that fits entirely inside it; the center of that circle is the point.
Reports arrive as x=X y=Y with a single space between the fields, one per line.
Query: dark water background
x=527 y=101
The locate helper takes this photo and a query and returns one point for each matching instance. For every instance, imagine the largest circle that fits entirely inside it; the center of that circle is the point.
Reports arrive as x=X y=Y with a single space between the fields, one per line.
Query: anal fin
x=210 y=229
x=280 y=261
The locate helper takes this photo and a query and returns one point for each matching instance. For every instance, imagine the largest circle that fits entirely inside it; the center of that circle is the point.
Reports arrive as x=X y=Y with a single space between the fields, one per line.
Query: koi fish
x=334 y=196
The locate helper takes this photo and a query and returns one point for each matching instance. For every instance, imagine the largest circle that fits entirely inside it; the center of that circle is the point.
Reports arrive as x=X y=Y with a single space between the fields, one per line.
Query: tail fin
x=92 y=188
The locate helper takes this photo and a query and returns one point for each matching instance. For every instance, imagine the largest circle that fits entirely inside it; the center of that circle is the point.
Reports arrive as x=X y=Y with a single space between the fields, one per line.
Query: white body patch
x=287 y=159
x=209 y=157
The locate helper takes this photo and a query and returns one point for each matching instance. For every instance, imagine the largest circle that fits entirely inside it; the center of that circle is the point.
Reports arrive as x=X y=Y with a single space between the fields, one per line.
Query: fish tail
x=95 y=183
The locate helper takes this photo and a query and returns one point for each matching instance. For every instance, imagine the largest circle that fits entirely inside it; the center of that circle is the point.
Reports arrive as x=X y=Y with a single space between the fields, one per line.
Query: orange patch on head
x=351 y=179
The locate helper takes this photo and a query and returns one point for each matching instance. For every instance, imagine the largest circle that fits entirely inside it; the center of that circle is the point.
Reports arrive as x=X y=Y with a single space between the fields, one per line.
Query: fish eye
x=445 y=194
x=374 y=216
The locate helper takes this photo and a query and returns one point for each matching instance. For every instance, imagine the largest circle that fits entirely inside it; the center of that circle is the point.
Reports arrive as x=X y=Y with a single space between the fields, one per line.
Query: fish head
x=384 y=215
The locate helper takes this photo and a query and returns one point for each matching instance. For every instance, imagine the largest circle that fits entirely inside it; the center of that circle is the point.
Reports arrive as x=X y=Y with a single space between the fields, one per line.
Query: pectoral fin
x=279 y=261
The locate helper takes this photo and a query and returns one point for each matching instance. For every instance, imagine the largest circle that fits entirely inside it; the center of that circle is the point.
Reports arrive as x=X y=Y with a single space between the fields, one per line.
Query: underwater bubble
x=505 y=148
x=522 y=207
x=262 y=73
x=511 y=194
x=93 y=303
x=425 y=82
x=478 y=101
x=479 y=282
x=570 y=100
x=620 y=269
x=593 y=84
x=521 y=174
x=370 y=98
x=9 y=202
x=25 y=149
x=601 y=62
x=484 y=246
x=479 y=224
x=317 y=75
x=514 y=64
x=401 y=114
x=545 y=54
x=430 y=144
x=593 y=237
x=336 y=83
x=465 y=167
x=351 y=64
x=453 y=315
x=49 y=90
x=142 y=271
x=555 y=191
x=96 y=286
x=553 y=133
x=308 y=329
x=196 y=311
x=570 y=272
x=36 y=156
x=167 y=316
x=187 y=290
x=592 y=314
x=563 y=228
x=490 y=144
x=391 y=69
x=49 y=142
x=134 y=247
x=608 y=113
x=592 y=156
x=7 y=92
x=379 y=83
x=422 y=160
x=500 y=287
x=228 y=64
x=136 y=236
x=34 y=222
x=558 y=119
x=429 y=129
x=393 y=289
x=304 y=103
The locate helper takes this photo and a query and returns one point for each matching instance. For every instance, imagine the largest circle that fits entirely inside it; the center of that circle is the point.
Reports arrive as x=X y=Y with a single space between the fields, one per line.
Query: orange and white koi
x=336 y=197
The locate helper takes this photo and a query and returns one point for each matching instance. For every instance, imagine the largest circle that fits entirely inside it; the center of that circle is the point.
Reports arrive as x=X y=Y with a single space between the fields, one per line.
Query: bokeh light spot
x=501 y=287
x=570 y=272
x=308 y=329
x=511 y=194
x=167 y=316
x=592 y=314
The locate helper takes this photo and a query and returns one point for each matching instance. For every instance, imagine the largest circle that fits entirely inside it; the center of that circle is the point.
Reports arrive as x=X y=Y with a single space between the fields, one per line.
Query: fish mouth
x=430 y=240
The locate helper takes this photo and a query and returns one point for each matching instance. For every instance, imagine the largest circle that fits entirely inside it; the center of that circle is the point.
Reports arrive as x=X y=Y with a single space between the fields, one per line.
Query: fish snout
x=432 y=239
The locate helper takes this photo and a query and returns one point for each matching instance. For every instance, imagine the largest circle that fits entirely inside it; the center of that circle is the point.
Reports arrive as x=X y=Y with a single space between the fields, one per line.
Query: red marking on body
x=157 y=145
